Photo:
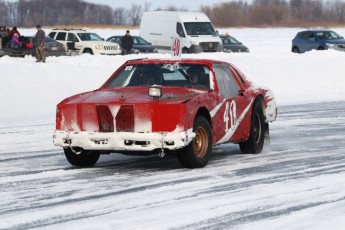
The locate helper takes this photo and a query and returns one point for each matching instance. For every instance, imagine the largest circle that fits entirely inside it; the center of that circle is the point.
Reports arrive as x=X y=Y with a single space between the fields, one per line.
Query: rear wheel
x=198 y=152
x=258 y=132
x=295 y=50
x=80 y=157
x=185 y=50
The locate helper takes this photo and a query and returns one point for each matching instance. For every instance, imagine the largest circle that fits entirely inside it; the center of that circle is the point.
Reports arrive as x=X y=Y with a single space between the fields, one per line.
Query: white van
x=194 y=30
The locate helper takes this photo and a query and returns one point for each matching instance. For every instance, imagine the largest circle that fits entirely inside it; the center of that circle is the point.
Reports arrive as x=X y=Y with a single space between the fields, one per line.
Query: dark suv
x=318 y=40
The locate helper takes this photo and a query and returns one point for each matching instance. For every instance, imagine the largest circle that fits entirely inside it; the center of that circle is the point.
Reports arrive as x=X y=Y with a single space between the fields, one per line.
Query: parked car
x=140 y=45
x=182 y=106
x=51 y=47
x=84 y=41
x=318 y=40
x=231 y=44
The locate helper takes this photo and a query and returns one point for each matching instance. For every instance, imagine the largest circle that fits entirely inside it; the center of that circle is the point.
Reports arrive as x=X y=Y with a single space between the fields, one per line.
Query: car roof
x=174 y=60
x=120 y=36
x=316 y=31
x=72 y=30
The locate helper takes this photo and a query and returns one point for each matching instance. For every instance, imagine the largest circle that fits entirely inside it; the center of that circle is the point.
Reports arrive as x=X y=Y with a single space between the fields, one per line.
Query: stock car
x=166 y=106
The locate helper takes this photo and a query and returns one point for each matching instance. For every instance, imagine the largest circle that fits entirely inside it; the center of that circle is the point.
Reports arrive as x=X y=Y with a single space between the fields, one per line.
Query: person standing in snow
x=126 y=43
x=40 y=35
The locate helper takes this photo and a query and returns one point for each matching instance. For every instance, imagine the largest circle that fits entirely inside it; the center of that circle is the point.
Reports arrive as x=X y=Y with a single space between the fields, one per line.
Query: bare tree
x=227 y=13
x=135 y=13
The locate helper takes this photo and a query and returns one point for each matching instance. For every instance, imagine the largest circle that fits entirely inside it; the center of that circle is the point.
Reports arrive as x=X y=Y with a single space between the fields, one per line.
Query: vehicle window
x=179 y=30
x=72 y=37
x=227 y=84
x=306 y=35
x=238 y=74
x=233 y=40
x=327 y=35
x=199 y=28
x=230 y=40
x=89 y=37
x=140 y=41
x=116 y=40
x=335 y=35
x=61 y=36
x=52 y=34
x=174 y=74
x=48 y=39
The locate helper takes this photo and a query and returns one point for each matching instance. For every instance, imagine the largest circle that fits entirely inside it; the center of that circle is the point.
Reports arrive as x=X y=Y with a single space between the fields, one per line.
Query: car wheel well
x=87 y=50
x=295 y=49
x=260 y=99
x=202 y=111
x=321 y=48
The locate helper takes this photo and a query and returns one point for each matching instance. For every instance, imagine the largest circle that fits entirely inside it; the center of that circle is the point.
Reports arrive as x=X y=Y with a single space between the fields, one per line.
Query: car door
x=71 y=37
x=310 y=41
x=234 y=106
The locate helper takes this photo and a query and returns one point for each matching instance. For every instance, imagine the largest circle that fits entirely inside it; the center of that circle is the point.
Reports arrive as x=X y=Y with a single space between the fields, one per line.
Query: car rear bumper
x=123 y=141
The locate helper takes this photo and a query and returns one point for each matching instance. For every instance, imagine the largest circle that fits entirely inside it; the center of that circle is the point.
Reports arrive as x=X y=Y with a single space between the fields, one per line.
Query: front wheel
x=198 y=152
x=258 y=131
x=81 y=157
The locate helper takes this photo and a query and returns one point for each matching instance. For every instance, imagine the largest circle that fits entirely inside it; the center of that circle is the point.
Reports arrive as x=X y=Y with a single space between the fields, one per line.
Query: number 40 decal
x=230 y=115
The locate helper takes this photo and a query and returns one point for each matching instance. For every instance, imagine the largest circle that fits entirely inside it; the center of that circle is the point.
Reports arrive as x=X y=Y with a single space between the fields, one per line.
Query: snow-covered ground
x=298 y=184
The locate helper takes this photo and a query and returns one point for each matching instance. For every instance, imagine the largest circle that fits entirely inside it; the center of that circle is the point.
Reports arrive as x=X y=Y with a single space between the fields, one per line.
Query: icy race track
x=298 y=183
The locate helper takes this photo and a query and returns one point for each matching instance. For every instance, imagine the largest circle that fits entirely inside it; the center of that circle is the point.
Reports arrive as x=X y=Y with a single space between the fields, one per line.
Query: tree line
x=235 y=13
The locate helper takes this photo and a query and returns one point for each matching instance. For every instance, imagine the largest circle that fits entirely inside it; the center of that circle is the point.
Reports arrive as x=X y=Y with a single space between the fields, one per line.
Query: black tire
x=83 y=159
x=257 y=134
x=87 y=51
x=321 y=48
x=296 y=50
x=185 y=51
x=198 y=152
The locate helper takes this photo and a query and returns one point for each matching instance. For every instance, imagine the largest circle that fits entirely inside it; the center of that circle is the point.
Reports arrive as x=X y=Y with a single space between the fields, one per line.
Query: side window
x=179 y=30
x=227 y=83
x=72 y=38
x=61 y=36
x=52 y=34
x=303 y=36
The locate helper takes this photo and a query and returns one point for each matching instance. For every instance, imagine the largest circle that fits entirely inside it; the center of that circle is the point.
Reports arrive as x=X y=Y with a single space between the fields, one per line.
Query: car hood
x=133 y=95
x=105 y=43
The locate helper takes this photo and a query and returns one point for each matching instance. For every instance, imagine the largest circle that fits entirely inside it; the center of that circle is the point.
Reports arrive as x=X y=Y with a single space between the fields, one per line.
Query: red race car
x=181 y=106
